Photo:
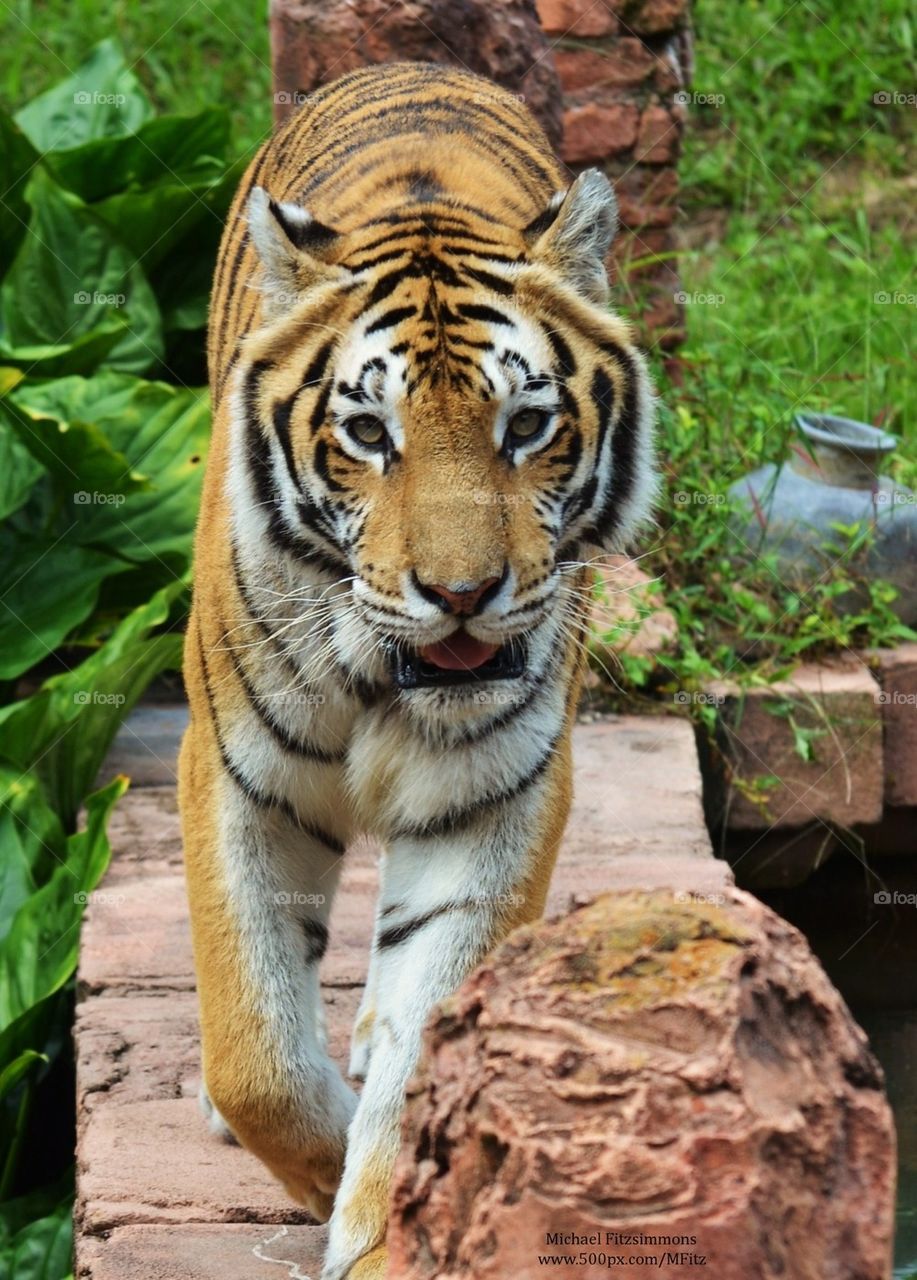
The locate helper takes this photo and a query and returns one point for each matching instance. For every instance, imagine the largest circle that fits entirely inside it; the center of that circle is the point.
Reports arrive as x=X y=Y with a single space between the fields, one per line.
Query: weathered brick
x=836 y=711
x=593 y=132
x=655 y=17
x=896 y=671
x=623 y=63
x=659 y=136
x=576 y=17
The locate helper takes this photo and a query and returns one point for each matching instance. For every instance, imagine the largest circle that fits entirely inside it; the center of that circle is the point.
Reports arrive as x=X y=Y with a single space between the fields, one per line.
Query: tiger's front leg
x=260 y=890
x=448 y=897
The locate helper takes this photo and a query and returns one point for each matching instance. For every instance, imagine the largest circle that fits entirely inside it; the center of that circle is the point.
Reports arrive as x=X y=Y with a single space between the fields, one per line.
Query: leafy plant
x=111 y=213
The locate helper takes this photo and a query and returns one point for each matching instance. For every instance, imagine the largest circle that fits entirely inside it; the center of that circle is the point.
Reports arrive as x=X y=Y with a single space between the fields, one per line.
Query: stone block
x=833 y=715
x=594 y=132
x=896 y=672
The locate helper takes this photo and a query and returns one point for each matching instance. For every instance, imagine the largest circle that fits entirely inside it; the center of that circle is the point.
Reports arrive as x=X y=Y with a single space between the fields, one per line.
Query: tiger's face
x=451 y=417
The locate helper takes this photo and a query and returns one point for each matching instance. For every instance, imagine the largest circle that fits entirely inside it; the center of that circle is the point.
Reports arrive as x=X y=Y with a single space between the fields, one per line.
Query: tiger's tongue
x=460 y=652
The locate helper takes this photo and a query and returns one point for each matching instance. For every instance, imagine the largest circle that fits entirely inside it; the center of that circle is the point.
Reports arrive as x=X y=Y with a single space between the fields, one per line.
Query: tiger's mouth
x=459 y=659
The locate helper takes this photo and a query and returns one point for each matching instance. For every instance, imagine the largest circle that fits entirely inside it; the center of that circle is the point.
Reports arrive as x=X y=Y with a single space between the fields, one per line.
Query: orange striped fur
x=426 y=419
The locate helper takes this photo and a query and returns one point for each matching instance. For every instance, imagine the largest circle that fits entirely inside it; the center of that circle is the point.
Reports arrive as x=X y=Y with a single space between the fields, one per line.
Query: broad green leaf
x=15 y=1072
x=42 y=1249
x=163 y=432
x=102 y=99
x=77 y=454
x=55 y=360
x=39 y=953
x=47 y=588
x=17 y=158
x=31 y=837
x=19 y=471
x=67 y=727
x=186 y=149
x=70 y=275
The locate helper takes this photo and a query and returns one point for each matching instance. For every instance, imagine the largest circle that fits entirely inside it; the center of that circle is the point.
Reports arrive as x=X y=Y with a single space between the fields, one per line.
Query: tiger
x=427 y=422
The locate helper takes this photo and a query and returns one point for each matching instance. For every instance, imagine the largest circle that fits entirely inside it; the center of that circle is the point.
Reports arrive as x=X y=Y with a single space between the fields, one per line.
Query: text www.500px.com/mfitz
x=595 y=1250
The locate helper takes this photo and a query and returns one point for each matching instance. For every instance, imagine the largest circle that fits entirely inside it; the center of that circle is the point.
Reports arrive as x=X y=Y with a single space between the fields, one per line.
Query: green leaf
x=102 y=99
x=16 y=1071
x=39 y=953
x=19 y=471
x=163 y=432
x=70 y=275
x=33 y=841
x=65 y=729
x=42 y=1249
x=17 y=158
x=47 y=587
x=180 y=148
x=77 y=454
x=54 y=360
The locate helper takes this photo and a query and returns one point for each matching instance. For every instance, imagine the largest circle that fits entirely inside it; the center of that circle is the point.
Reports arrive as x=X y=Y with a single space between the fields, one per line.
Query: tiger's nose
x=459 y=598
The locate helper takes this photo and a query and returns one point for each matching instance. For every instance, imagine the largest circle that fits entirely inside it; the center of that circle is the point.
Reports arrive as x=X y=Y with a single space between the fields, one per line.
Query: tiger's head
x=444 y=416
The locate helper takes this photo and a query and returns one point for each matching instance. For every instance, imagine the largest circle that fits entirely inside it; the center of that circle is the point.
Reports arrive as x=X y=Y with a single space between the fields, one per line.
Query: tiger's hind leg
x=260 y=890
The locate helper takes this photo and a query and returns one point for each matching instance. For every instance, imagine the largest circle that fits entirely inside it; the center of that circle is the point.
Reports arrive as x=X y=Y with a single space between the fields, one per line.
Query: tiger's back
x=360 y=150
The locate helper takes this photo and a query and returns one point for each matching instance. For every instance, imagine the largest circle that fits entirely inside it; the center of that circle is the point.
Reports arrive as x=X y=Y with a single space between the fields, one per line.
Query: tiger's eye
x=527 y=423
x=366 y=429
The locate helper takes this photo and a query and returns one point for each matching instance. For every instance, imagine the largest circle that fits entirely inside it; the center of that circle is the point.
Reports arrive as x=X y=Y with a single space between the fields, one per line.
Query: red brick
x=593 y=132
x=655 y=17
x=659 y=136
x=896 y=671
x=621 y=64
x=842 y=784
x=576 y=17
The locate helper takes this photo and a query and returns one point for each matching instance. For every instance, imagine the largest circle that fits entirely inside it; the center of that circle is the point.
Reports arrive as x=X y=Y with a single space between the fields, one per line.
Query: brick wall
x=601 y=76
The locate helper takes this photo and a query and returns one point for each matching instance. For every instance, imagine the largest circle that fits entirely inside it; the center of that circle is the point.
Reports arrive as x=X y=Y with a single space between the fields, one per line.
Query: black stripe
x=283 y=410
x=390 y=318
x=623 y=456
x=260 y=799
x=400 y=933
x=497 y=284
x=563 y=353
x=316 y=940
x=304 y=750
x=479 y=311
x=454 y=819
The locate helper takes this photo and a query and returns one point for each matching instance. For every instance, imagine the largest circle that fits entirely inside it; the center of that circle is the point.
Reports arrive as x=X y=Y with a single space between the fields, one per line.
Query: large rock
x=314 y=41
x=656 y=1076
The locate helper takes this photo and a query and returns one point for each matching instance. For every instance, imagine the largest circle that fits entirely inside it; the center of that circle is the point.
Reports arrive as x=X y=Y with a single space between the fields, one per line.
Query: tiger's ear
x=291 y=245
x=575 y=232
